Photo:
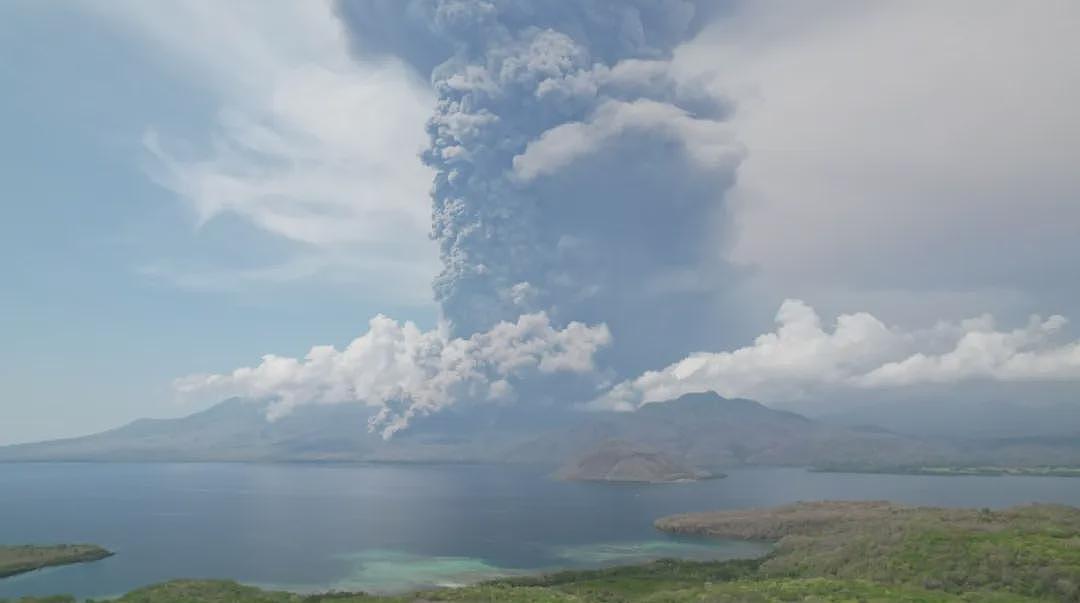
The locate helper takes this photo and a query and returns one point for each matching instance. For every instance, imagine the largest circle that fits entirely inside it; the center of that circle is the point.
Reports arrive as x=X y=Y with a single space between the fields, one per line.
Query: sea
x=390 y=528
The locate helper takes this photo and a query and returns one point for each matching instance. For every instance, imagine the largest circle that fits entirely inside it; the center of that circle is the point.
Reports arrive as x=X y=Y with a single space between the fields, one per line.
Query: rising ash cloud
x=576 y=174
x=578 y=206
x=577 y=191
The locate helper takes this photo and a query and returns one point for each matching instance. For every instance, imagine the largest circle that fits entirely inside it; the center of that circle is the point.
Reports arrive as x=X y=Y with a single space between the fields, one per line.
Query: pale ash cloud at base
x=404 y=373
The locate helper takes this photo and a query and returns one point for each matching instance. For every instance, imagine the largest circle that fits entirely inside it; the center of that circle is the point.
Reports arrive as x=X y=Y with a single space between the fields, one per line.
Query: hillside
x=710 y=432
x=705 y=430
x=234 y=430
x=26 y=558
x=617 y=461
x=1031 y=550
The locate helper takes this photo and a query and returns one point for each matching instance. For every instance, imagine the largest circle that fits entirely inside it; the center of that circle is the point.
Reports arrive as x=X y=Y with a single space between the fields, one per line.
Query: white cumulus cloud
x=404 y=372
x=1024 y=354
x=802 y=357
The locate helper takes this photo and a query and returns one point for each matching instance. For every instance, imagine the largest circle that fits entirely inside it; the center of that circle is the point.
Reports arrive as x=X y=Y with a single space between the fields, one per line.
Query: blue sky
x=190 y=186
x=92 y=335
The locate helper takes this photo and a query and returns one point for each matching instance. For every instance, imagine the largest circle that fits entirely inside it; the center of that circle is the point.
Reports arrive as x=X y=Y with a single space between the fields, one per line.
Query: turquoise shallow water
x=393 y=528
x=388 y=571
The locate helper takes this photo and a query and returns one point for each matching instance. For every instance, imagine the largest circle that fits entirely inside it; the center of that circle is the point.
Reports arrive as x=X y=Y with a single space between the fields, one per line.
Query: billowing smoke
x=578 y=181
x=403 y=372
x=576 y=173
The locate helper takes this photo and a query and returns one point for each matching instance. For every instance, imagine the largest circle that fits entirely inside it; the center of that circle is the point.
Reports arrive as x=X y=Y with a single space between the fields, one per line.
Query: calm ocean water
x=395 y=527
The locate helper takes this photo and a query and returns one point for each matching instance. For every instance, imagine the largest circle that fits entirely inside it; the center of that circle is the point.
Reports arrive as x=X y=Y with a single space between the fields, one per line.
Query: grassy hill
x=25 y=558
x=825 y=552
x=1030 y=550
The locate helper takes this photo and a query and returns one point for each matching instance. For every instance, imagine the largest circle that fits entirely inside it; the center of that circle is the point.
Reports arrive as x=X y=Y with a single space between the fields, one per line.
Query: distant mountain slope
x=701 y=430
x=237 y=430
x=617 y=461
x=984 y=410
x=709 y=431
x=234 y=430
x=971 y=420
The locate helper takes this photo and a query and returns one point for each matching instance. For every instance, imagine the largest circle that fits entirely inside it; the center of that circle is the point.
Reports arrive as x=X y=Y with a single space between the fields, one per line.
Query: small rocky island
x=620 y=461
x=27 y=558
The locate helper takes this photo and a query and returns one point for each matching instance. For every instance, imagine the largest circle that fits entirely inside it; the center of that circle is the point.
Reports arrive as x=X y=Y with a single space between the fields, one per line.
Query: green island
x=985 y=470
x=26 y=558
x=825 y=551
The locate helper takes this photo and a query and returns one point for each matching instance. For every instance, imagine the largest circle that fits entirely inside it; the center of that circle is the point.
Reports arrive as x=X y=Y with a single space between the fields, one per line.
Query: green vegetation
x=988 y=470
x=1032 y=550
x=835 y=551
x=26 y=558
x=620 y=461
x=658 y=582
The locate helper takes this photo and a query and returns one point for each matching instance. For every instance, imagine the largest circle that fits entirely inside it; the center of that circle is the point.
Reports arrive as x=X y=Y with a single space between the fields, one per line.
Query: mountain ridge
x=701 y=430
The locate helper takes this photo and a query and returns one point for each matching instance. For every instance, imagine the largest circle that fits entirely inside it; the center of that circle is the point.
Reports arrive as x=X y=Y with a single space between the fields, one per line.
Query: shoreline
x=21 y=559
x=828 y=551
x=957 y=471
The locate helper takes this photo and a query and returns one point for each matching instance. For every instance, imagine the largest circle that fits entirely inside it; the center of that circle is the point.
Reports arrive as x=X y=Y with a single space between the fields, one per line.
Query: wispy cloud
x=310 y=143
x=347 y=271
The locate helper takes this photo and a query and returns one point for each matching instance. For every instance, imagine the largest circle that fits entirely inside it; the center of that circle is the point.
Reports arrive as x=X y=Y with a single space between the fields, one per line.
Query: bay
x=388 y=528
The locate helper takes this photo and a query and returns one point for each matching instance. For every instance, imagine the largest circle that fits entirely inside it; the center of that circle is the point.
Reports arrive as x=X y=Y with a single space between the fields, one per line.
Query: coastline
x=957 y=470
x=20 y=559
x=828 y=551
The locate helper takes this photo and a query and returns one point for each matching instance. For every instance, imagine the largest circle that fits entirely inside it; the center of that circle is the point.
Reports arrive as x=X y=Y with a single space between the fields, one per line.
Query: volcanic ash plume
x=576 y=196
x=576 y=173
